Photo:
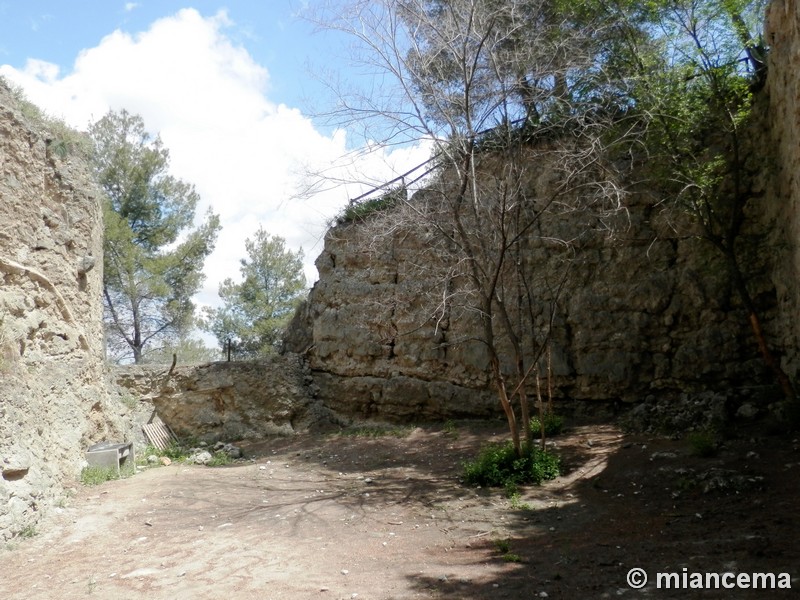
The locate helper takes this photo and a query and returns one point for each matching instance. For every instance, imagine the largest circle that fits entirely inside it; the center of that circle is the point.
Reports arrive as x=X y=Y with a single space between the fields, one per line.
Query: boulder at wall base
x=15 y=465
x=201 y=458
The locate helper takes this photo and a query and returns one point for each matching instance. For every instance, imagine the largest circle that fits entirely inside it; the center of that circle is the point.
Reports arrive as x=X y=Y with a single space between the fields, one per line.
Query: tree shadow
x=633 y=501
x=623 y=501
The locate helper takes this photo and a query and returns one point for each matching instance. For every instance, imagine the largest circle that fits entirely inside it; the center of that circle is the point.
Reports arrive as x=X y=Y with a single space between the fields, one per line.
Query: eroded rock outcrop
x=53 y=395
x=782 y=139
x=649 y=315
x=226 y=400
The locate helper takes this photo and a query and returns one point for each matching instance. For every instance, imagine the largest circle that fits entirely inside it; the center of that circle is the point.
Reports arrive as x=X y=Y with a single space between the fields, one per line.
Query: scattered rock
x=201 y=458
x=726 y=480
x=232 y=451
x=747 y=411
x=699 y=411
x=658 y=455
x=86 y=264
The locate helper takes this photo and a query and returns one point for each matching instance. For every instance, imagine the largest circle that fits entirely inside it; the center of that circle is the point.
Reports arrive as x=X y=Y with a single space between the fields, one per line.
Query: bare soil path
x=386 y=518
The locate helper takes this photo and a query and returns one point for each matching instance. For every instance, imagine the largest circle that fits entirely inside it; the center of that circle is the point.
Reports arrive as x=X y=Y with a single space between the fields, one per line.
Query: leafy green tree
x=153 y=253
x=184 y=350
x=256 y=311
x=694 y=101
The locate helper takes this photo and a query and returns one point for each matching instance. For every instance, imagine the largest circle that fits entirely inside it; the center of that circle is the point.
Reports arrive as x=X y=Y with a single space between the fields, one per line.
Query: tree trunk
x=542 y=427
x=755 y=324
x=526 y=413
x=502 y=393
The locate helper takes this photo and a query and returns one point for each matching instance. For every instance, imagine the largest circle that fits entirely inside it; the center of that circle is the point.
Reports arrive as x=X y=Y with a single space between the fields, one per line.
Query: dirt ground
x=332 y=516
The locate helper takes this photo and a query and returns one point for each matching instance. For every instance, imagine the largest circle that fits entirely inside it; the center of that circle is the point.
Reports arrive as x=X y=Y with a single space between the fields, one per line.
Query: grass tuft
x=361 y=210
x=702 y=443
x=553 y=425
x=220 y=459
x=374 y=431
x=504 y=548
x=28 y=532
x=96 y=475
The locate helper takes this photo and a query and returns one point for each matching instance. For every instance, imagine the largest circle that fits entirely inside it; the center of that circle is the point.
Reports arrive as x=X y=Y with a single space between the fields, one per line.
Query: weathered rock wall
x=783 y=87
x=646 y=313
x=53 y=395
x=649 y=315
x=226 y=401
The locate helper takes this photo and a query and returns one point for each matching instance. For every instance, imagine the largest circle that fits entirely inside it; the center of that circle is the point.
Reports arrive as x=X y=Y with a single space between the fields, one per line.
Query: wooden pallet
x=158 y=433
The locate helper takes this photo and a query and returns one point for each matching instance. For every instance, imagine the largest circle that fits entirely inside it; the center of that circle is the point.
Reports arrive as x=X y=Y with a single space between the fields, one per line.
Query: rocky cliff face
x=649 y=315
x=227 y=401
x=783 y=139
x=53 y=397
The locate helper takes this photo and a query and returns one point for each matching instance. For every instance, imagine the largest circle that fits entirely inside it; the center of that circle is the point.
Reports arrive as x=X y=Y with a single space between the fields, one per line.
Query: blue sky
x=56 y=31
x=227 y=84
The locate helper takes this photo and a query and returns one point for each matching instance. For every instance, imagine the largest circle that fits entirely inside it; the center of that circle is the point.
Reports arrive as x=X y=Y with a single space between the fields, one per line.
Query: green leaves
x=150 y=276
x=498 y=466
x=132 y=169
x=256 y=311
x=693 y=98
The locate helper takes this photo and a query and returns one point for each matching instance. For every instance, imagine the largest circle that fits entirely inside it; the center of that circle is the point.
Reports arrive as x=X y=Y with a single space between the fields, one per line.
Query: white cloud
x=129 y=6
x=209 y=100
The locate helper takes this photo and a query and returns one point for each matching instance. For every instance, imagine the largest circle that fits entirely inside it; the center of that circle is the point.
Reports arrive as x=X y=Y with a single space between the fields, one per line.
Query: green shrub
x=374 y=431
x=175 y=452
x=98 y=475
x=553 y=424
x=360 y=210
x=499 y=466
x=220 y=459
x=702 y=443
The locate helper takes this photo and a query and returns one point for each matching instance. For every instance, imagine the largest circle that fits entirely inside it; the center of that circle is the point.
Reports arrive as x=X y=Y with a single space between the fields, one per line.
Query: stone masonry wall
x=650 y=315
x=225 y=401
x=53 y=396
x=783 y=86
x=647 y=313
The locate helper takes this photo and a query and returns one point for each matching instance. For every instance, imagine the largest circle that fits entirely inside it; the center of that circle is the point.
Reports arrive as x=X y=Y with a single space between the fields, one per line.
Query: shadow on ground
x=632 y=501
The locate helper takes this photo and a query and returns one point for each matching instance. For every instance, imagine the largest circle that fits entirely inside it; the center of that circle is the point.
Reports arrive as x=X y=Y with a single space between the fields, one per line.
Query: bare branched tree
x=508 y=93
